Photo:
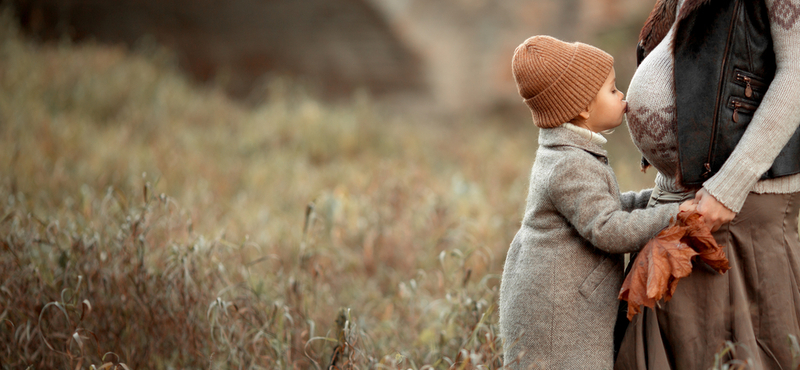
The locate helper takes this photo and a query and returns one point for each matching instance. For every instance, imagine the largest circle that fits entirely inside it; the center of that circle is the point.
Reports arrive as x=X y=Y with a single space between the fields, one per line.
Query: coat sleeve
x=632 y=200
x=775 y=120
x=580 y=190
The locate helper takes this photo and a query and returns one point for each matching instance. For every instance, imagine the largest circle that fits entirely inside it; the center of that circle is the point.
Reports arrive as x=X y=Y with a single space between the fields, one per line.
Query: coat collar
x=563 y=136
x=662 y=18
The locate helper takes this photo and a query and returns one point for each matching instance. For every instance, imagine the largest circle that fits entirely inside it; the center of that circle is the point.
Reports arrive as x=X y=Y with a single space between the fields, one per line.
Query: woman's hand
x=714 y=213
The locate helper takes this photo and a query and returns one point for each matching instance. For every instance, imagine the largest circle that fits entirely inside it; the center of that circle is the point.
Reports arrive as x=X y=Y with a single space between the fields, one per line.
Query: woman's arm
x=773 y=123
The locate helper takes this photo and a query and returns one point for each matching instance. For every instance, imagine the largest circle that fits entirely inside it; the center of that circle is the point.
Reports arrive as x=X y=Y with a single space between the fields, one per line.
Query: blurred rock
x=335 y=46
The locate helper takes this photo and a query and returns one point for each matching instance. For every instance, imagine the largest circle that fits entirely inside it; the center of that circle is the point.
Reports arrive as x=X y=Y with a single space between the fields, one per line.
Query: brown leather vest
x=724 y=64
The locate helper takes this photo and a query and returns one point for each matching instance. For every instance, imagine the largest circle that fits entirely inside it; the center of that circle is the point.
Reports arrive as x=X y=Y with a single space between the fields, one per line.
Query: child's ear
x=584 y=114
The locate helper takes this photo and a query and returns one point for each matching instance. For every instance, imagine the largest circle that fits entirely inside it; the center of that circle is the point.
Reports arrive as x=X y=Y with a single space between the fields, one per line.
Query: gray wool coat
x=563 y=271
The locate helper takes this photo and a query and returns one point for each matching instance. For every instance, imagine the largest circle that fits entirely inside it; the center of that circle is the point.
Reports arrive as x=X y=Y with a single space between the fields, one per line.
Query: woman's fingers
x=714 y=213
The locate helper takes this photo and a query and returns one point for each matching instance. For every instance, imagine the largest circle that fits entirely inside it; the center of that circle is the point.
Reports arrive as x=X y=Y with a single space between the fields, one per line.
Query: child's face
x=607 y=108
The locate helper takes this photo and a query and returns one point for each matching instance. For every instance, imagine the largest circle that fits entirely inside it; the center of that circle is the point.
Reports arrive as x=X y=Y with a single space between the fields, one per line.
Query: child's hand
x=688 y=206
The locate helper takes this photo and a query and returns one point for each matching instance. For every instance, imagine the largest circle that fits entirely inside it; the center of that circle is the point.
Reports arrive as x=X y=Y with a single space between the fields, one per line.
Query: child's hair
x=557 y=79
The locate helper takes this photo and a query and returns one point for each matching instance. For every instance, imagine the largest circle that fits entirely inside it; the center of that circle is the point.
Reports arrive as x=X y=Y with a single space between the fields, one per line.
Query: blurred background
x=451 y=54
x=270 y=184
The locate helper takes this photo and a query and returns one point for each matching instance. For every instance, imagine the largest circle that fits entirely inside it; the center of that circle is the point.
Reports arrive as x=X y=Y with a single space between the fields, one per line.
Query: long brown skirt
x=755 y=305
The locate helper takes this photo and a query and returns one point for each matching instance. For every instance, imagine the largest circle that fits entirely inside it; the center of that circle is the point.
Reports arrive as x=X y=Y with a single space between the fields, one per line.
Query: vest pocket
x=752 y=83
x=742 y=106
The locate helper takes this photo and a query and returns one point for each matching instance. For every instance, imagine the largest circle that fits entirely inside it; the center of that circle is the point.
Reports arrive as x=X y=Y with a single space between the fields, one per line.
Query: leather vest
x=724 y=64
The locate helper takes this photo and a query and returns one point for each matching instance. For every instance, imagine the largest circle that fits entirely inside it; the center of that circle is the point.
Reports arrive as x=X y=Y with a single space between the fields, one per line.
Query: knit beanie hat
x=557 y=79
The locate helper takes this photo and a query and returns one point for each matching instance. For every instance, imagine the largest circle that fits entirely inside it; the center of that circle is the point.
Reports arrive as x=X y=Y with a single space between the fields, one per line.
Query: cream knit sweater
x=651 y=118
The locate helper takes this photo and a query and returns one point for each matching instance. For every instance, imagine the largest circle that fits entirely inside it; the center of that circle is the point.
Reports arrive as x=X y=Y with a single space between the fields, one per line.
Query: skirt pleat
x=746 y=315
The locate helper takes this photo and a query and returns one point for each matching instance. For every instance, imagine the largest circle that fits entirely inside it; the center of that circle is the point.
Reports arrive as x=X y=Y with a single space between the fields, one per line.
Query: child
x=558 y=295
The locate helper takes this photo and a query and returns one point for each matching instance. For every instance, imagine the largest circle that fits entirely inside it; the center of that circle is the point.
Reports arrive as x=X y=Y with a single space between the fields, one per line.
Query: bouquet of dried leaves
x=667 y=258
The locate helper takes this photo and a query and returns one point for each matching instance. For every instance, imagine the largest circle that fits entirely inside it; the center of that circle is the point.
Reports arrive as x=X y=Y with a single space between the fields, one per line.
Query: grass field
x=152 y=223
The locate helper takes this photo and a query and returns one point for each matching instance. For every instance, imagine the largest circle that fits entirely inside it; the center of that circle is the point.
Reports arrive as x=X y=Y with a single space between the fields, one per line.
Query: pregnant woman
x=715 y=109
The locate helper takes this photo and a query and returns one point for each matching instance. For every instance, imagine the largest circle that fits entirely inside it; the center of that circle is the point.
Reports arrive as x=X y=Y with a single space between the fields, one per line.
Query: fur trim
x=658 y=24
x=661 y=19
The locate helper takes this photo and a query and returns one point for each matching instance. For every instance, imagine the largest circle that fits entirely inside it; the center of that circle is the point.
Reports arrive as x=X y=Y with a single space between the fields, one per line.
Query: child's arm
x=632 y=200
x=580 y=190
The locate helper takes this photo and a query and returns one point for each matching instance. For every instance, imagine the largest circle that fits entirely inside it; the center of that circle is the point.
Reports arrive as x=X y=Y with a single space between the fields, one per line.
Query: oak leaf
x=667 y=258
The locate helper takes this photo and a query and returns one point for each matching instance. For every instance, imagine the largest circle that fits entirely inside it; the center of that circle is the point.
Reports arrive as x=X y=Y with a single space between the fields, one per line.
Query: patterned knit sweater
x=652 y=121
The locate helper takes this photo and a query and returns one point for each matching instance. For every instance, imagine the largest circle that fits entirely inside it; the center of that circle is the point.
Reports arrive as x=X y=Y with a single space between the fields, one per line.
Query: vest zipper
x=752 y=83
x=707 y=165
x=743 y=106
x=748 y=90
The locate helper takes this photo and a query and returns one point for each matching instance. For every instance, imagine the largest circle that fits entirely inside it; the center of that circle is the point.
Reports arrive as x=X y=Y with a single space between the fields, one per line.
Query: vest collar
x=661 y=19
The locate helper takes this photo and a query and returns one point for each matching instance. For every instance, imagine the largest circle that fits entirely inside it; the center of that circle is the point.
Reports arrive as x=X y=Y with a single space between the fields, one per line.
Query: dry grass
x=150 y=223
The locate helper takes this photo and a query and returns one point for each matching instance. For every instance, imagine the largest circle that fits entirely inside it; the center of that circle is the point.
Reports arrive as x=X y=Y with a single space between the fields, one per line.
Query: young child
x=563 y=271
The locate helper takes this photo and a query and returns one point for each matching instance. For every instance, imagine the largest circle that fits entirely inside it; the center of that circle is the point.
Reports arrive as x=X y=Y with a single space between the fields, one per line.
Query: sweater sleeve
x=775 y=120
x=581 y=192
x=632 y=200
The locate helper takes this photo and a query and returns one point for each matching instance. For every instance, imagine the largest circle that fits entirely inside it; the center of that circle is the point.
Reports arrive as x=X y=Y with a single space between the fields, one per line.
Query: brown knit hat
x=557 y=79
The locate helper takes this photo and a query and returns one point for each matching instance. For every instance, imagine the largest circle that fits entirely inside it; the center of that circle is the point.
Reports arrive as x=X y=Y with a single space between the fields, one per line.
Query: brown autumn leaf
x=667 y=258
x=657 y=268
x=699 y=237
